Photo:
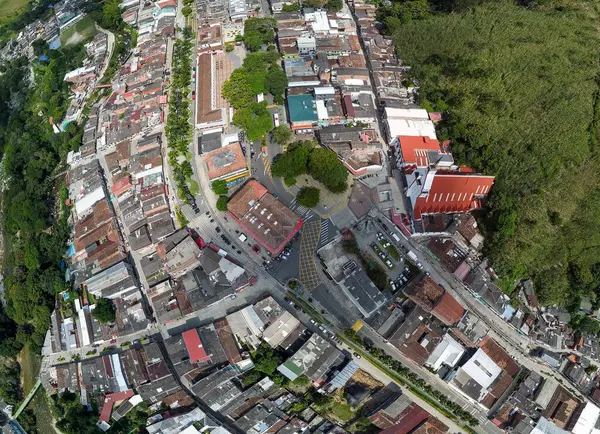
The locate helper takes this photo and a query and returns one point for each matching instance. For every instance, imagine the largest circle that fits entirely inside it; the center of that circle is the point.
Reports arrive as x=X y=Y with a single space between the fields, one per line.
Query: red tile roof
x=499 y=356
x=415 y=149
x=110 y=400
x=450 y=193
x=194 y=346
x=448 y=309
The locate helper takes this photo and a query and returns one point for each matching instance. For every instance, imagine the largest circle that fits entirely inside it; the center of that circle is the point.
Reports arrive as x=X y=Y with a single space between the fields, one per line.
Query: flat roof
x=302 y=108
x=228 y=160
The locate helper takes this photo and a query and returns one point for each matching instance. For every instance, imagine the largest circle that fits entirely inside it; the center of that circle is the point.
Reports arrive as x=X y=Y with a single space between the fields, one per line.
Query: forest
x=518 y=86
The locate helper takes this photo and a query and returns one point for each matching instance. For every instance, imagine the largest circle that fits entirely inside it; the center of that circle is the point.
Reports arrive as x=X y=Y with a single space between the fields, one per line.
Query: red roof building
x=264 y=218
x=451 y=192
x=112 y=399
x=448 y=309
x=194 y=346
x=414 y=151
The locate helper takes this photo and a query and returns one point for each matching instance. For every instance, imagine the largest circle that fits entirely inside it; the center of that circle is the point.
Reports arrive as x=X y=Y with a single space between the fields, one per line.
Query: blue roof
x=71 y=251
x=302 y=108
x=43 y=57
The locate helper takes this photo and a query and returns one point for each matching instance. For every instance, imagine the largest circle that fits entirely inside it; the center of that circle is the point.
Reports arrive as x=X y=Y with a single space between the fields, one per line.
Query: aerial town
x=247 y=311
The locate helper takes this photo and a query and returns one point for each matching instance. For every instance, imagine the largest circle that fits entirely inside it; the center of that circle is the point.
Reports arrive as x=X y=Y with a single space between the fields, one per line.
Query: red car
x=113 y=341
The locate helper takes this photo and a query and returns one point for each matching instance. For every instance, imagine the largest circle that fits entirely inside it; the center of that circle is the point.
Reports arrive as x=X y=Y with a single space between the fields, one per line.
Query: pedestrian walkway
x=300 y=210
x=308 y=243
x=267 y=164
x=324 y=230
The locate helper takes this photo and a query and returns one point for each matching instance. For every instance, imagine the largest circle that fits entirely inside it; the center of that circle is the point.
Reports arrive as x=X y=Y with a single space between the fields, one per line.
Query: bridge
x=29 y=397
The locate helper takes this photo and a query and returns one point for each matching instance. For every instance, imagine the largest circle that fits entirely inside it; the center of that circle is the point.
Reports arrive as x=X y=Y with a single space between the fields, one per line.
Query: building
x=263 y=217
x=487 y=374
x=113 y=282
x=435 y=299
x=179 y=253
x=448 y=192
x=412 y=122
x=213 y=70
x=362 y=292
x=227 y=164
x=314 y=359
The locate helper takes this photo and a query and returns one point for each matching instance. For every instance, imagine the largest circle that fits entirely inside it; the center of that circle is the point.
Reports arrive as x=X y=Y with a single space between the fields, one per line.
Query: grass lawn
x=393 y=252
x=80 y=31
x=30 y=367
x=9 y=7
x=342 y=411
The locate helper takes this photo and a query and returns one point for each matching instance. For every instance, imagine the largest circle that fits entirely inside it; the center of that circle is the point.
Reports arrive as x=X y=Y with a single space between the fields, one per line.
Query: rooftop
x=265 y=218
x=225 y=162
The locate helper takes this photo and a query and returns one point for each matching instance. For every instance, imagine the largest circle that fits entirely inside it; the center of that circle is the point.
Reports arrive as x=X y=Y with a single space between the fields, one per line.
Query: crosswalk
x=267 y=164
x=301 y=210
x=324 y=231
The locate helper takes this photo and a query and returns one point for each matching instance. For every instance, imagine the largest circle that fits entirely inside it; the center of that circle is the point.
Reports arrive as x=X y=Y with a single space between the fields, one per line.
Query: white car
x=312 y=321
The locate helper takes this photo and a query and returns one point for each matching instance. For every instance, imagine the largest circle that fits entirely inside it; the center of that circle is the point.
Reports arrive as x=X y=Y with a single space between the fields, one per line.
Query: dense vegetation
x=11 y=24
x=179 y=129
x=309 y=197
x=304 y=157
x=519 y=89
x=258 y=32
x=282 y=134
x=104 y=311
x=259 y=74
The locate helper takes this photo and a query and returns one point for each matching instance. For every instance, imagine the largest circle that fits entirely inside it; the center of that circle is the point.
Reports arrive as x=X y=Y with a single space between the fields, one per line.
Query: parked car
x=355 y=354
x=312 y=321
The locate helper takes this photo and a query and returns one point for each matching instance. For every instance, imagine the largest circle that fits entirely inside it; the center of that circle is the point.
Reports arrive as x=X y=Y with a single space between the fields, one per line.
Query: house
x=263 y=217
x=227 y=164
x=314 y=359
x=435 y=299
x=179 y=253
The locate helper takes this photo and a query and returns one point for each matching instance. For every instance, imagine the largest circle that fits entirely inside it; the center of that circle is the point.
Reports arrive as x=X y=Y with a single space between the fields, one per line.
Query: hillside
x=520 y=86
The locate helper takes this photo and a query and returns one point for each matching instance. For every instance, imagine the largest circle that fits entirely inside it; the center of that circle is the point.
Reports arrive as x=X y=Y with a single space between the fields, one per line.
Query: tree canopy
x=304 y=157
x=219 y=186
x=282 y=134
x=222 y=203
x=309 y=197
x=104 y=311
x=255 y=119
x=258 y=32
x=519 y=90
x=260 y=73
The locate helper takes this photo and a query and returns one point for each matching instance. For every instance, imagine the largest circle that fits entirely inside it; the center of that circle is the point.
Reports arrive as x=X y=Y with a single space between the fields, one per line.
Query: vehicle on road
x=312 y=321
x=113 y=341
x=276 y=119
x=412 y=256
x=355 y=354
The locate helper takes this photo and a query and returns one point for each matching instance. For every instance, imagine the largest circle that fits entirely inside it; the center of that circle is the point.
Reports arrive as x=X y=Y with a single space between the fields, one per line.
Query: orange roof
x=448 y=309
x=415 y=149
x=226 y=160
x=451 y=193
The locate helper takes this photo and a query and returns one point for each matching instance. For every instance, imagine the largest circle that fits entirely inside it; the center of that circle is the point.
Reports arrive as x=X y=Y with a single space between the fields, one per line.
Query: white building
x=448 y=352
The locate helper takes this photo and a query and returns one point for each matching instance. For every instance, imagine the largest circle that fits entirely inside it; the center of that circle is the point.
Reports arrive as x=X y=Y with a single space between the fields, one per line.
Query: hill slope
x=521 y=86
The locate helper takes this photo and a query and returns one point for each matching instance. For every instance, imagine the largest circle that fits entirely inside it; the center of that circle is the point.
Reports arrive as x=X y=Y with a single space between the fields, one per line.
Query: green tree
x=219 y=187
x=104 y=311
x=325 y=167
x=111 y=15
x=309 y=197
x=222 y=203
x=255 y=119
x=282 y=134
x=335 y=5
x=276 y=82
x=266 y=359
x=186 y=11
x=293 y=162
